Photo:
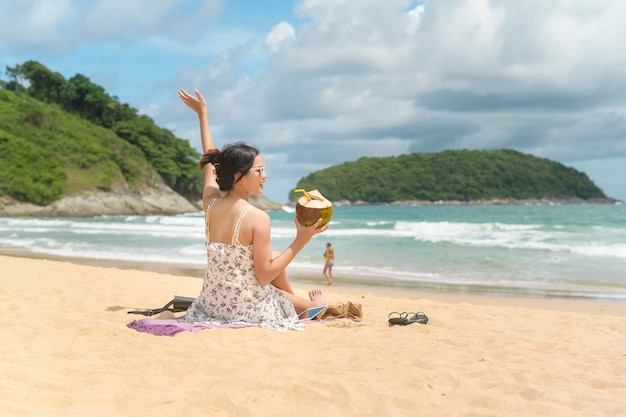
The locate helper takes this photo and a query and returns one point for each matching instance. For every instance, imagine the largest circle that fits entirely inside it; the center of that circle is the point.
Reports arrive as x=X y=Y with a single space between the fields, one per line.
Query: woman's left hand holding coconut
x=306 y=233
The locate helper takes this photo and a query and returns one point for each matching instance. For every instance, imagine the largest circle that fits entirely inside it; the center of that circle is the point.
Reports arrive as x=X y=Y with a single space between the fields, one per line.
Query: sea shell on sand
x=311 y=206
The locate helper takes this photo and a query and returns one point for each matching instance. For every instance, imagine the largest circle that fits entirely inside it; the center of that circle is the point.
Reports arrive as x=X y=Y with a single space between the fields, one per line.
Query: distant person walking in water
x=329 y=261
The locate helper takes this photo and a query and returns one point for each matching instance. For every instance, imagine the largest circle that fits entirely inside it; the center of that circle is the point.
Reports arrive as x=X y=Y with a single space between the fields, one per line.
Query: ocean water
x=531 y=250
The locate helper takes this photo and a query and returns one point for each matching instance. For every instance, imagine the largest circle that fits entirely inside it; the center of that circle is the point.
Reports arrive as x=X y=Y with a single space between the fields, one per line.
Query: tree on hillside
x=173 y=158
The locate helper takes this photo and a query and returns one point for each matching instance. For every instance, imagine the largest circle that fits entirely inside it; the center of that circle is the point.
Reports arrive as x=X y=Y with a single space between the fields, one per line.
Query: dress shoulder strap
x=206 y=216
x=238 y=226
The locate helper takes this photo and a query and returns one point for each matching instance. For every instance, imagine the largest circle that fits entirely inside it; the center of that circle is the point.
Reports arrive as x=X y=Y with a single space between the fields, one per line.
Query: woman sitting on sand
x=245 y=281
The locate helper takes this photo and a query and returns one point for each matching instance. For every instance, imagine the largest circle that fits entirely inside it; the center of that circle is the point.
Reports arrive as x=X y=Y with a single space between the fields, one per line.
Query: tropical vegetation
x=461 y=175
x=59 y=136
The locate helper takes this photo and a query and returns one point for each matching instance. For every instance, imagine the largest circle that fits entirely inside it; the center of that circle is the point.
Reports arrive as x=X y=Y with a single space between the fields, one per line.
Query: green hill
x=61 y=136
x=460 y=175
x=46 y=153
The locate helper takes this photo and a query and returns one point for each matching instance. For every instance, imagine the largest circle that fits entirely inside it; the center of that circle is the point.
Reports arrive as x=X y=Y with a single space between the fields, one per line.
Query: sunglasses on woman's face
x=259 y=169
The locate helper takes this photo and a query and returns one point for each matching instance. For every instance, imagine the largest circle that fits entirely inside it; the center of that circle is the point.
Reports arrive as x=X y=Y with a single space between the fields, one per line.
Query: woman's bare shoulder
x=258 y=214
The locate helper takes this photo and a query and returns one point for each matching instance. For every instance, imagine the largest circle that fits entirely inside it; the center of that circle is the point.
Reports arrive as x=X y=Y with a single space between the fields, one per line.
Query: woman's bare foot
x=318 y=298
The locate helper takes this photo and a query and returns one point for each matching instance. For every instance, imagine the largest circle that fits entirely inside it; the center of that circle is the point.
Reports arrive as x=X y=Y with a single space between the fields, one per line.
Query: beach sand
x=66 y=351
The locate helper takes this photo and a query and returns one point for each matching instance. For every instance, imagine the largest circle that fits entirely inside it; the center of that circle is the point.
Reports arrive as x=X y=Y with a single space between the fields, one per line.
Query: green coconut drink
x=311 y=206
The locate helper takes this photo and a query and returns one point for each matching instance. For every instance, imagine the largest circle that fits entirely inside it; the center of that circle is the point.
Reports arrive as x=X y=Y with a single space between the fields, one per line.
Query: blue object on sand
x=310 y=313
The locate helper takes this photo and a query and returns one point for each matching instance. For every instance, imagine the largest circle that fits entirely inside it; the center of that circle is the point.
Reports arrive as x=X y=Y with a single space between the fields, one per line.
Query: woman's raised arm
x=198 y=105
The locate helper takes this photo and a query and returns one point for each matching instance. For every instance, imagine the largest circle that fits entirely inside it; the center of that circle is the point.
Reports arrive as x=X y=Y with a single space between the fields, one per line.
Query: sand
x=66 y=351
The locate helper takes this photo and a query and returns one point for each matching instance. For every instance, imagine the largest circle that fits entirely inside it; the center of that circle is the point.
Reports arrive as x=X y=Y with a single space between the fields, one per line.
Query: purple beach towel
x=175 y=325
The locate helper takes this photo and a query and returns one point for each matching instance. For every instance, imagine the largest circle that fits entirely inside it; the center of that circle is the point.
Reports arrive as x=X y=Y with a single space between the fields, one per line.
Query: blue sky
x=315 y=83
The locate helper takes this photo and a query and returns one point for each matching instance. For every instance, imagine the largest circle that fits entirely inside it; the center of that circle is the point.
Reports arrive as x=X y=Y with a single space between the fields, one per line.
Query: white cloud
x=28 y=23
x=415 y=19
x=280 y=33
x=146 y=18
x=59 y=25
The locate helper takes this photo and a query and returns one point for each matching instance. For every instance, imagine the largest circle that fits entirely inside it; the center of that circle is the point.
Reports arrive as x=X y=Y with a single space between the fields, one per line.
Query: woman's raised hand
x=196 y=103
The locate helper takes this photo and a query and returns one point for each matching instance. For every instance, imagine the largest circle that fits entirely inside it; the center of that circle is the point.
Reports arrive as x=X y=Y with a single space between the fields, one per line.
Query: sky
x=315 y=83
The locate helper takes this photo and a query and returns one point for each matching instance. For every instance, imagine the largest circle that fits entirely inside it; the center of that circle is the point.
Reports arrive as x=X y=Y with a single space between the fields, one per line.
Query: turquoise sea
x=531 y=250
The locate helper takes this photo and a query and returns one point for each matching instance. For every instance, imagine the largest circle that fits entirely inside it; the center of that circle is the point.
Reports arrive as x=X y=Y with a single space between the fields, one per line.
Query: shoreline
x=304 y=279
x=490 y=202
x=310 y=276
x=164 y=201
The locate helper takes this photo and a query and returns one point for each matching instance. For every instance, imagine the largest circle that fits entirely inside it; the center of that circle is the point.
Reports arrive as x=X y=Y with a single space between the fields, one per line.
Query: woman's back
x=224 y=215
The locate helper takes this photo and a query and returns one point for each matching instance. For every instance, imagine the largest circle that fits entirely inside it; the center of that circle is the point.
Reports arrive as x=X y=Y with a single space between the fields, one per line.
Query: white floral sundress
x=231 y=293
